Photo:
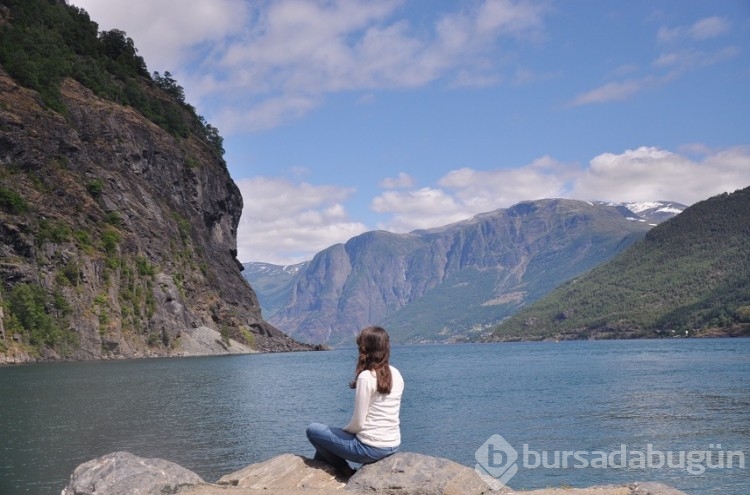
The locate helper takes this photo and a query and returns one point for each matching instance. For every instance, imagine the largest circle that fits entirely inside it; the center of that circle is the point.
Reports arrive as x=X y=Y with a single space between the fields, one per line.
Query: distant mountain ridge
x=689 y=276
x=653 y=212
x=449 y=282
x=272 y=283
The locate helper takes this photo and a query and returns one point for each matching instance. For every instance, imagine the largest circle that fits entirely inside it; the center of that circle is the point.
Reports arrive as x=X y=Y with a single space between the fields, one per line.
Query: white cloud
x=402 y=181
x=284 y=222
x=466 y=192
x=649 y=173
x=643 y=174
x=508 y=17
x=684 y=60
x=610 y=92
x=709 y=27
x=418 y=209
x=484 y=190
x=265 y=114
x=272 y=61
x=167 y=32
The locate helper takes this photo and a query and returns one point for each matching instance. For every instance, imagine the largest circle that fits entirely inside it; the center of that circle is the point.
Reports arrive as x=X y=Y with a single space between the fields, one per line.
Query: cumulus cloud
x=166 y=33
x=465 y=192
x=272 y=61
x=649 y=173
x=418 y=209
x=302 y=50
x=285 y=222
x=642 y=174
x=483 y=190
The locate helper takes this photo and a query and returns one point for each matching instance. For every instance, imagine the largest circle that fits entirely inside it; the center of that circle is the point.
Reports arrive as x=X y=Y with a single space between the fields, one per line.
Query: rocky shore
x=404 y=473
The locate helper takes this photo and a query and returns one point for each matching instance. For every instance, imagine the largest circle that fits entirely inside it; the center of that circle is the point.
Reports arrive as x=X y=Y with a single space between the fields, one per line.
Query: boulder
x=122 y=473
x=284 y=472
x=408 y=473
x=404 y=473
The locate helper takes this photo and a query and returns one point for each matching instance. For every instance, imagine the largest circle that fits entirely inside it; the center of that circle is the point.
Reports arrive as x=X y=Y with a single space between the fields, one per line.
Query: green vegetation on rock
x=36 y=317
x=43 y=42
x=12 y=202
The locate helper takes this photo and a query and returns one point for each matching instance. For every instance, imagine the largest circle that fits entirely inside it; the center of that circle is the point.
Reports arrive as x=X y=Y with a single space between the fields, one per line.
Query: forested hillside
x=689 y=276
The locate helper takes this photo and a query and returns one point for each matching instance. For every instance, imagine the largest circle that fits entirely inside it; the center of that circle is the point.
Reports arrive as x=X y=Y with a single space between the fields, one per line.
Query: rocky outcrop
x=404 y=473
x=285 y=472
x=417 y=474
x=129 y=231
x=123 y=473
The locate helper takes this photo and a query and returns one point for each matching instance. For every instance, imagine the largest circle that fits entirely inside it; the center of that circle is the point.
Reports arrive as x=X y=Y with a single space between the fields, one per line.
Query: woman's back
x=380 y=427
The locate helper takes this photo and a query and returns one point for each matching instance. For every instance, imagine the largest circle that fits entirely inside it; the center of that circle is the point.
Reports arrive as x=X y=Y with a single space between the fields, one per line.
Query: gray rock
x=205 y=341
x=284 y=472
x=122 y=473
x=404 y=473
x=408 y=473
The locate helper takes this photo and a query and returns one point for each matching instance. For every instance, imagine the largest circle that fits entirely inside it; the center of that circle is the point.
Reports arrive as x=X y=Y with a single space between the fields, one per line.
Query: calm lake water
x=215 y=415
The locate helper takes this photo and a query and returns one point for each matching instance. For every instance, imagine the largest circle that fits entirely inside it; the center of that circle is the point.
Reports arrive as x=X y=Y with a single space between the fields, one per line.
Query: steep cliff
x=117 y=238
x=452 y=282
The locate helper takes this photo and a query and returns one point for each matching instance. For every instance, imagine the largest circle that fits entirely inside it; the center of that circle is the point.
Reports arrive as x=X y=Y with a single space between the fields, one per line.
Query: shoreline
x=24 y=358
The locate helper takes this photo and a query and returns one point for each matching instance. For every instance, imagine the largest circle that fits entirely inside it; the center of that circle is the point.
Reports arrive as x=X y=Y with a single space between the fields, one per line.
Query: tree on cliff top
x=43 y=42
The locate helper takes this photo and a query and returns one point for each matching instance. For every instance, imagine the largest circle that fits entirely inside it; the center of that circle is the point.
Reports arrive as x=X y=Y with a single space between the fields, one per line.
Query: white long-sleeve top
x=375 y=420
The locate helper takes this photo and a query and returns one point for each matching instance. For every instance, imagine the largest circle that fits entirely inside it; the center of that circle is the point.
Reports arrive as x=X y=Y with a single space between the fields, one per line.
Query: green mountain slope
x=688 y=276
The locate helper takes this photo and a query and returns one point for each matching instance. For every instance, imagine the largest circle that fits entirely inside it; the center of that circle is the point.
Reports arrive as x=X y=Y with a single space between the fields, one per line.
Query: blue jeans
x=336 y=446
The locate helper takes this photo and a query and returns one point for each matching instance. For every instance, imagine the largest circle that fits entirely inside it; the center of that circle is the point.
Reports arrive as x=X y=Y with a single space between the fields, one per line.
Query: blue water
x=215 y=415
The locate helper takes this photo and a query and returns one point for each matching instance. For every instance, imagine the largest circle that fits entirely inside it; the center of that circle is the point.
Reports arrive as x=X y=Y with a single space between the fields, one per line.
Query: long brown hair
x=374 y=352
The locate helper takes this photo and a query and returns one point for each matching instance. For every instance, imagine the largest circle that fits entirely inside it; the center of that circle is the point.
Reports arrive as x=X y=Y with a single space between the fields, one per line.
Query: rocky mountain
x=688 y=276
x=453 y=282
x=651 y=212
x=272 y=283
x=117 y=222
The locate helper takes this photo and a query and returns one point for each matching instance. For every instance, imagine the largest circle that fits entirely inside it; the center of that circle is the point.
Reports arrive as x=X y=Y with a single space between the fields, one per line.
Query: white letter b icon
x=496 y=458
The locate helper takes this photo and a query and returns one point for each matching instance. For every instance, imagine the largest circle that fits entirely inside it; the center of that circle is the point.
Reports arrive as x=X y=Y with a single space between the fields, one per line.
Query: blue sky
x=342 y=116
